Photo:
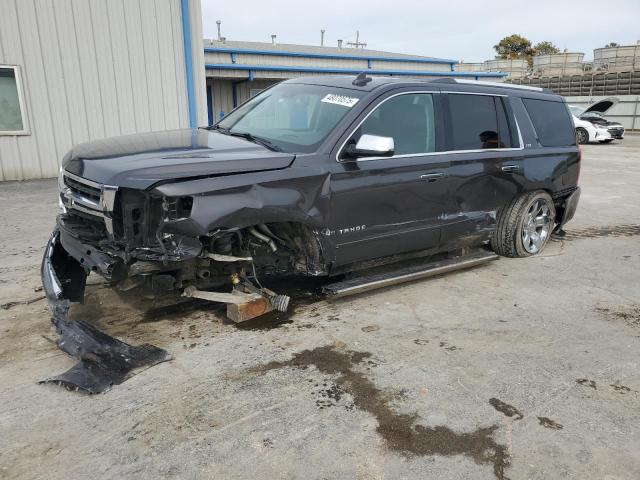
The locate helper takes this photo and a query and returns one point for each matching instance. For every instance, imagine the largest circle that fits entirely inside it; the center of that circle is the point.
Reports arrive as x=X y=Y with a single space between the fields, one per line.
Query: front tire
x=582 y=136
x=525 y=225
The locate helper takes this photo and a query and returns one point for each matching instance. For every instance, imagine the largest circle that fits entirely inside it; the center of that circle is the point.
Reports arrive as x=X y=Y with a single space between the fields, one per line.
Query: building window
x=12 y=112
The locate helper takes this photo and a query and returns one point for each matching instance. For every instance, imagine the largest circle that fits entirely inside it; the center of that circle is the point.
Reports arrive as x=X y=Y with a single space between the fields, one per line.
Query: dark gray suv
x=317 y=177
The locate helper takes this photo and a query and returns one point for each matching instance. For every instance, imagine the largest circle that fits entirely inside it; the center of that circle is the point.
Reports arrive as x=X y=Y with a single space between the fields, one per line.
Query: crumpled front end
x=122 y=233
x=167 y=243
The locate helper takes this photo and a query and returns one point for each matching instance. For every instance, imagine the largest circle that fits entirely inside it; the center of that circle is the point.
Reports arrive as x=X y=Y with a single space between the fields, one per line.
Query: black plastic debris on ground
x=104 y=361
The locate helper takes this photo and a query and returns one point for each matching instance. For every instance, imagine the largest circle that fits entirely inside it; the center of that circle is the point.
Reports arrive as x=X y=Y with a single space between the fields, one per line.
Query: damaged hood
x=142 y=160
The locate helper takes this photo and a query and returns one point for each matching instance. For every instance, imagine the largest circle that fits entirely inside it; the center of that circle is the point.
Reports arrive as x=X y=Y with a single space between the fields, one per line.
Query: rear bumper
x=570 y=205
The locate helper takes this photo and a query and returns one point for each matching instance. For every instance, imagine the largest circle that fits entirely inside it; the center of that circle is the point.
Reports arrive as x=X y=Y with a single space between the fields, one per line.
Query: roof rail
x=443 y=80
x=500 y=85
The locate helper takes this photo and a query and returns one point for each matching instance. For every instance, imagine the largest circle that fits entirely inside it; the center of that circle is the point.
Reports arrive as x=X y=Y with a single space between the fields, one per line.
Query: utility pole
x=357 y=43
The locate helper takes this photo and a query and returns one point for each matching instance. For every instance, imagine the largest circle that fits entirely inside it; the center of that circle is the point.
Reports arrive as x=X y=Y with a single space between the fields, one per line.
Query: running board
x=390 y=277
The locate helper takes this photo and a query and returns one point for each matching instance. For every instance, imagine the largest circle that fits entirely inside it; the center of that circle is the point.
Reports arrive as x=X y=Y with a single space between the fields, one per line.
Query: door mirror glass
x=371 y=146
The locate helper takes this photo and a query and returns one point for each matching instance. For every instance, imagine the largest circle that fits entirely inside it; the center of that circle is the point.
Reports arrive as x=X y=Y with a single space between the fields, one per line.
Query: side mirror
x=371 y=146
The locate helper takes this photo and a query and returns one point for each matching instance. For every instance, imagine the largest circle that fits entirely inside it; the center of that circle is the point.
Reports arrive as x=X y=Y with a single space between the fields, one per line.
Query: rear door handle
x=432 y=177
x=511 y=168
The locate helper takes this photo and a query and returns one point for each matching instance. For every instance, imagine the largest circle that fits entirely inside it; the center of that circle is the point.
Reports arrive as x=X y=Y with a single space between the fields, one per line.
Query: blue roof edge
x=328 y=55
x=275 y=68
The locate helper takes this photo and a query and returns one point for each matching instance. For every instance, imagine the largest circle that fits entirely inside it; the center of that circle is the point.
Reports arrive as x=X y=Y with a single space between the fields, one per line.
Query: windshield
x=293 y=117
x=577 y=111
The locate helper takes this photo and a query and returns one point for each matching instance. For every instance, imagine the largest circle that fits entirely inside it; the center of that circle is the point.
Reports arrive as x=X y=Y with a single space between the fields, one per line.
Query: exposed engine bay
x=141 y=243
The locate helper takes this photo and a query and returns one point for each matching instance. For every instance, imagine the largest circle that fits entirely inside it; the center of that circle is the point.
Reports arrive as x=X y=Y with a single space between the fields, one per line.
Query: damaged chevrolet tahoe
x=317 y=177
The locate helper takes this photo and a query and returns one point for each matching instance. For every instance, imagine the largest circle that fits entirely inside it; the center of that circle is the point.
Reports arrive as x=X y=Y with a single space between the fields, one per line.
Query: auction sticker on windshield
x=340 y=100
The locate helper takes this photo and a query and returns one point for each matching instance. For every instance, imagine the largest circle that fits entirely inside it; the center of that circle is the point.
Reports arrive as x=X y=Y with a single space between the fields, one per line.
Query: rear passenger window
x=408 y=119
x=551 y=121
x=478 y=121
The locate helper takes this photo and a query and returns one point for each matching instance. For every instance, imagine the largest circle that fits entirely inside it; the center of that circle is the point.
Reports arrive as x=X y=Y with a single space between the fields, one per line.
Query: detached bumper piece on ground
x=104 y=361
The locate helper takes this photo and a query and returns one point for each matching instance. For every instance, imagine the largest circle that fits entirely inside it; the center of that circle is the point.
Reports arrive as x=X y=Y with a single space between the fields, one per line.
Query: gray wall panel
x=93 y=69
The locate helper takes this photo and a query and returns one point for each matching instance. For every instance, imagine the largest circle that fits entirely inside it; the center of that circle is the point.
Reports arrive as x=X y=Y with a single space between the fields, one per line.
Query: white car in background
x=591 y=126
x=587 y=132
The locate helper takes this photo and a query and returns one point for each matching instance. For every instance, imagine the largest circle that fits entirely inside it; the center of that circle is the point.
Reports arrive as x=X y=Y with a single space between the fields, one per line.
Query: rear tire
x=582 y=136
x=524 y=226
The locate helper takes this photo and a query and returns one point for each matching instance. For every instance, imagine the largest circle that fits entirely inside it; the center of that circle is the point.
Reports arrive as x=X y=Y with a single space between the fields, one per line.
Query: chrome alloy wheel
x=536 y=226
x=582 y=136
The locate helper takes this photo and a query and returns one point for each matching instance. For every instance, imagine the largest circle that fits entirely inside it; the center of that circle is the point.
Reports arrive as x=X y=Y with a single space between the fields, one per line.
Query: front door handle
x=511 y=168
x=431 y=177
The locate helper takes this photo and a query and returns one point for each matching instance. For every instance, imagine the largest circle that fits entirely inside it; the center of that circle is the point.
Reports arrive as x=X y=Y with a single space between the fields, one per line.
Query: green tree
x=545 y=48
x=514 y=46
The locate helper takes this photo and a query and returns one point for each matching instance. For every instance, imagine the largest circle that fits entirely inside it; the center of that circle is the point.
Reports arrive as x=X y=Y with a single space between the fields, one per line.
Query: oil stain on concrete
x=399 y=431
x=587 y=383
x=548 y=423
x=630 y=314
x=506 y=409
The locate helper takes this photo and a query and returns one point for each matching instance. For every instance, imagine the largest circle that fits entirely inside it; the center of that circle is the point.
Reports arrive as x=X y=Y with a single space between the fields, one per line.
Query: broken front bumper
x=63 y=278
x=103 y=361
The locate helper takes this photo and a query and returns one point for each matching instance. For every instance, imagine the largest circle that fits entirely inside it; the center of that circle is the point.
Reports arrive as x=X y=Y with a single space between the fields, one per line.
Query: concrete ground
x=521 y=369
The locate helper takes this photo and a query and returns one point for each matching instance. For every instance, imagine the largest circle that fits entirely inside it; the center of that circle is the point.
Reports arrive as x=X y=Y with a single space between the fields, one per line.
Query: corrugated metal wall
x=592 y=84
x=93 y=69
x=222 y=93
x=626 y=111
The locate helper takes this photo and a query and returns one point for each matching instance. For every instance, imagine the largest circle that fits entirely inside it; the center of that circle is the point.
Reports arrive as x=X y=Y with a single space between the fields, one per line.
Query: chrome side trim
x=475 y=93
x=427 y=154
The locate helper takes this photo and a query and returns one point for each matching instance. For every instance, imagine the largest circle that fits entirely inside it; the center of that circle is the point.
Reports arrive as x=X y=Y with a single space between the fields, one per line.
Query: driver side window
x=407 y=118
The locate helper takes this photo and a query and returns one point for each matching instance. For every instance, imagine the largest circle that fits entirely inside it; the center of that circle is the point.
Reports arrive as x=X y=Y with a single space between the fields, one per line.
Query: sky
x=458 y=29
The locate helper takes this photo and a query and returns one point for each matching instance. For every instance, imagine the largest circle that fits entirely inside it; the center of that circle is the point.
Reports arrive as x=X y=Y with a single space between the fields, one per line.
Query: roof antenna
x=361 y=80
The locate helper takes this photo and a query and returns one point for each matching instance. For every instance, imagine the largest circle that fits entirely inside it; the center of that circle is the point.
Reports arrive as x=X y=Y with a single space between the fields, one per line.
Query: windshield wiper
x=247 y=136
x=217 y=128
x=252 y=138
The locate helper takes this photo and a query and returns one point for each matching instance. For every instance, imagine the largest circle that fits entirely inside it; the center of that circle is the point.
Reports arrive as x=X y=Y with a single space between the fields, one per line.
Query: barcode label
x=340 y=100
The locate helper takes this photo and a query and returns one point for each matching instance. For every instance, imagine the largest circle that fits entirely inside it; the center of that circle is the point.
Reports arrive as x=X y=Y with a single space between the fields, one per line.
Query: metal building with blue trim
x=237 y=70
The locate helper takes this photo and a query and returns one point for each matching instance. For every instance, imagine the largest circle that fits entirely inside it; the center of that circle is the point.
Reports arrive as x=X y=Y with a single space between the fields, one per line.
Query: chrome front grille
x=87 y=191
x=88 y=197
